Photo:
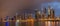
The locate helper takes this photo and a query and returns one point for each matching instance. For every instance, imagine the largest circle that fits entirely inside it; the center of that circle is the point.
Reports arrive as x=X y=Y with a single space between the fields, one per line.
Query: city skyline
x=29 y=12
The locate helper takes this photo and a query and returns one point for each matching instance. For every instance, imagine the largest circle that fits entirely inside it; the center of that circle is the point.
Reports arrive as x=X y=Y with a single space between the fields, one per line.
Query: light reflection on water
x=37 y=23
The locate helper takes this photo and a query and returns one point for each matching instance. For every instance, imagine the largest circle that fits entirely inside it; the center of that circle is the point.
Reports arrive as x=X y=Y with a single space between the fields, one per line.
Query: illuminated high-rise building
x=49 y=11
x=37 y=14
x=52 y=13
x=44 y=12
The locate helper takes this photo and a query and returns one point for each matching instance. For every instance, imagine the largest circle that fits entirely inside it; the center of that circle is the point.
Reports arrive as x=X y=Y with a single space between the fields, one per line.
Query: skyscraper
x=49 y=12
x=44 y=12
x=52 y=13
x=37 y=14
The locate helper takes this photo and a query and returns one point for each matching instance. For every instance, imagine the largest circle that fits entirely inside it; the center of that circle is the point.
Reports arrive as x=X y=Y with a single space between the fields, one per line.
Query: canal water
x=36 y=23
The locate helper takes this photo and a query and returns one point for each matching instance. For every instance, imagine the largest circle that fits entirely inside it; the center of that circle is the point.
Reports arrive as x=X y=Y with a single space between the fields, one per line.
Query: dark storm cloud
x=10 y=7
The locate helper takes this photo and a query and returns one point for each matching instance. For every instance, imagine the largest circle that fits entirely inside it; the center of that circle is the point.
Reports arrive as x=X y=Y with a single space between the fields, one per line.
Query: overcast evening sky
x=10 y=7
